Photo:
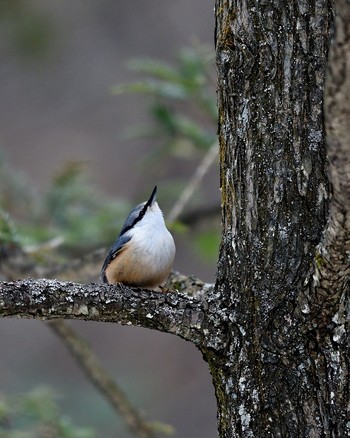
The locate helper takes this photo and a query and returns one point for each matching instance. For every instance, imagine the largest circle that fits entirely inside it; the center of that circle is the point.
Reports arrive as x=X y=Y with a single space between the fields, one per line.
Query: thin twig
x=92 y=367
x=194 y=183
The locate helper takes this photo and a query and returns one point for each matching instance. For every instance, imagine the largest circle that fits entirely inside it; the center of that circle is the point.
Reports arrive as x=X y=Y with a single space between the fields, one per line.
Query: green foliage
x=36 y=415
x=207 y=243
x=78 y=212
x=183 y=105
x=8 y=232
x=29 y=31
x=162 y=428
x=71 y=210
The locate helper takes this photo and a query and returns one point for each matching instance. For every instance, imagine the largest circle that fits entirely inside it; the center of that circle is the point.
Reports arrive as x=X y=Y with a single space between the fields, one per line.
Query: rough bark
x=171 y=312
x=276 y=376
x=329 y=299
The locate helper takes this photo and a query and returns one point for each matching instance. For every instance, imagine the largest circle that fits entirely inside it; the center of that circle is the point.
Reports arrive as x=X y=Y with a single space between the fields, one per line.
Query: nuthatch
x=144 y=251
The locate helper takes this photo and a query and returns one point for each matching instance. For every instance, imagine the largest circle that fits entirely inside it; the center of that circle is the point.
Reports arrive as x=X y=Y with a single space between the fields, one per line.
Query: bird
x=144 y=252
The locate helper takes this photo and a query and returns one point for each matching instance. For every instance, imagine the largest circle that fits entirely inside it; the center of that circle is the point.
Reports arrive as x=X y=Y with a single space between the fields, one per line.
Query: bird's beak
x=153 y=197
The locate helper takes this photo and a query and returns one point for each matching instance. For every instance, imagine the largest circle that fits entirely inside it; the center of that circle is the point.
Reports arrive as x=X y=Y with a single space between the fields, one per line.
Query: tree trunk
x=282 y=370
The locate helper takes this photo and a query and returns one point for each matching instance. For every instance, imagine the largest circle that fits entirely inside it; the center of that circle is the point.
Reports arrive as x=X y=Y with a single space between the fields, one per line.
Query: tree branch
x=87 y=360
x=175 y=313
x=194 y=183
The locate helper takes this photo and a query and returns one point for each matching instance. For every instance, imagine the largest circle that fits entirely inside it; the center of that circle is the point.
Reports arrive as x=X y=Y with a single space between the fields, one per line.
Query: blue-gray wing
x=122 y=239
x=113 y=253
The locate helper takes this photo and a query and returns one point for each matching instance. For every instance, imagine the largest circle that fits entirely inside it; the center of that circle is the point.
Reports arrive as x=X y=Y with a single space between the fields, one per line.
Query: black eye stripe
x=139 y=217
x=142 y=211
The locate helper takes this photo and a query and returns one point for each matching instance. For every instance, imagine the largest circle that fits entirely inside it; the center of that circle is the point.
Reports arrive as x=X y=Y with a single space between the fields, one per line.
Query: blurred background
x=100 y=101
